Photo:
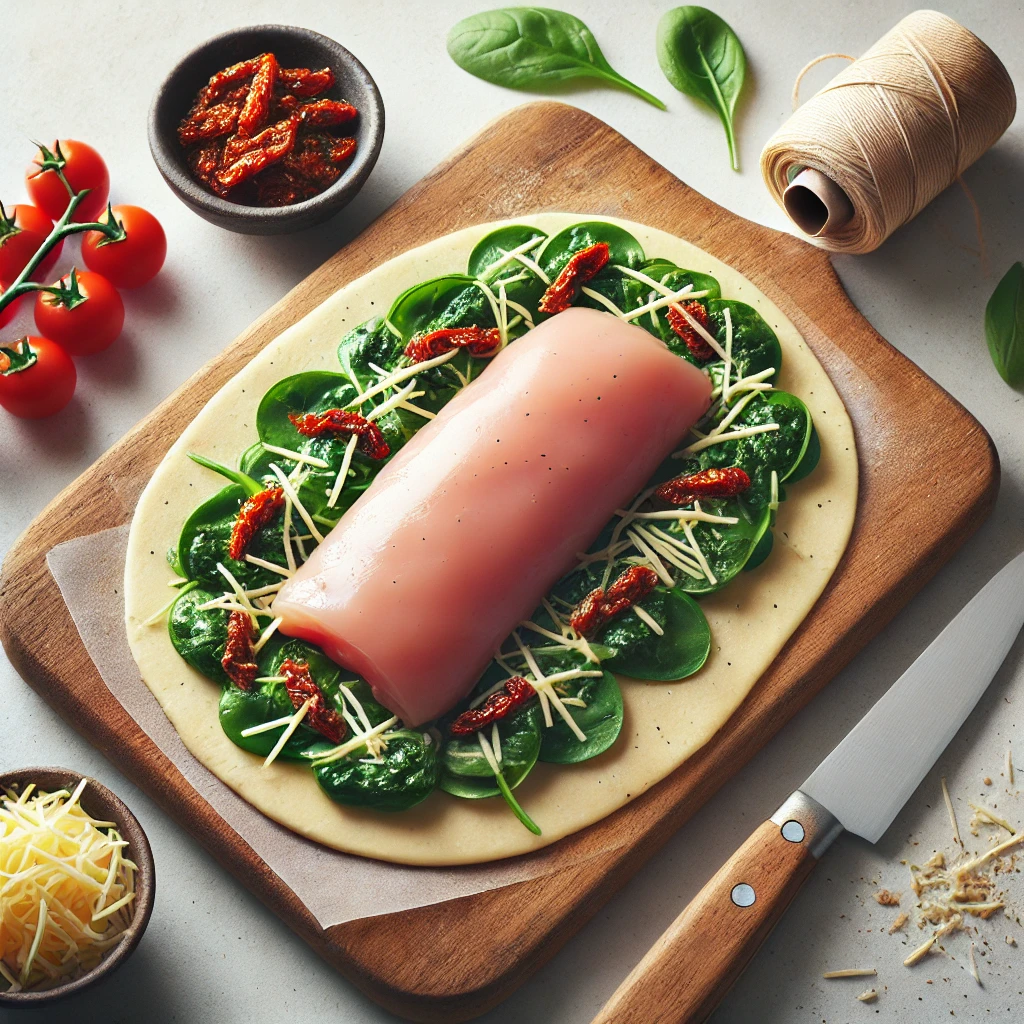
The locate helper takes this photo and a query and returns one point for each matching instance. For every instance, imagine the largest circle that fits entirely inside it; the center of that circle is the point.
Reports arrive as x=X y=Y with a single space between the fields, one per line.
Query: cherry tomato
x=84 y=169
x=135 y=260
x=85 y=322
x=17 y=248
x=40 y=389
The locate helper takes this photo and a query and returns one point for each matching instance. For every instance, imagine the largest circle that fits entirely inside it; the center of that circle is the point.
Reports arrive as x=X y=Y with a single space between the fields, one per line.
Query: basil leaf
x=702 y=57
x=532 y=47
x=1004 y=326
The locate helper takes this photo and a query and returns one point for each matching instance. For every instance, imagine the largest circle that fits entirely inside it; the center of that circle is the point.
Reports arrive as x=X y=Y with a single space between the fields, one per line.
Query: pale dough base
x=665 y=723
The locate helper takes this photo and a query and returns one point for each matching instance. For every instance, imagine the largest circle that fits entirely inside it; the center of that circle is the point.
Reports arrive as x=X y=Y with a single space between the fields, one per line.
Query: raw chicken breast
x=460 y=536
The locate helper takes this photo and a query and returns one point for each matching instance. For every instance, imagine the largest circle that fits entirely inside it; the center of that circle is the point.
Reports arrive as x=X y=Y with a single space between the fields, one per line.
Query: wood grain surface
x=452 y=961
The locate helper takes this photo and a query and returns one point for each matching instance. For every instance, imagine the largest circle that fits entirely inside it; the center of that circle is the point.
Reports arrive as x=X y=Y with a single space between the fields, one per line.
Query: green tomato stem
x=61 y=230
x=514 y=804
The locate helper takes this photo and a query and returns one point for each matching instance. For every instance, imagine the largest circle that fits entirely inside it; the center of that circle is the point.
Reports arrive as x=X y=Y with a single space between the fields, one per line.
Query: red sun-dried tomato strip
x=244 y=157
x=707 y=483
x=479 y=341
x=342 y=421
x=309 y=165
x=516 y=692
x=214 y=91
x=698 y=345
x=581 y=268
x=342 y=150
x=239 y=661
x=599 y=607
x=326 y=113
x=256 y=108
x=303 y=82
x=208 y=124
x=204 y=161
x=301 y=687
x=255 y=513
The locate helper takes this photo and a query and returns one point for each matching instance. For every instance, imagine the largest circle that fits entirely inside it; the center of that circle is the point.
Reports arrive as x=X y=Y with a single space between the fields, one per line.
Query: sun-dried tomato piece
x=204 y=161
x=599 y=607
x=239 y=661
x=478 y=341
x=256 y=108
x=300 y=686
x=516 y=692
x=284 y=105
x=255 y=513
x=326 y=113
x=582 y=267
x=208 y=124
x=309 y=161
x=277 y=186
x=715 y=482
x=303 y=82
x=342 y=421
x=342 y=150
x=244 y=157
x=695 y=342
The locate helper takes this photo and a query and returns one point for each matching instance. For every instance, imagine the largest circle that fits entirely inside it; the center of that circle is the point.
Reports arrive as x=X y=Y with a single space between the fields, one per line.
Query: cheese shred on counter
x=66 y=888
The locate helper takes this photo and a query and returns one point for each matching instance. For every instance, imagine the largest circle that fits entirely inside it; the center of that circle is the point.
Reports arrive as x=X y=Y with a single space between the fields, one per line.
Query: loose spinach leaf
x=809 y=461
x=532 y=47
x=755 y=346
x=408 y=774
x=702 y=57
x=1004 y=326
x=643 y=654
x=600 y=720
x=624 y=249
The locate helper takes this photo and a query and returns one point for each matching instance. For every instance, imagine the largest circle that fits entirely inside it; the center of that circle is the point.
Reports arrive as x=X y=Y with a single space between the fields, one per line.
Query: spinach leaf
x=755 y=346
x=491 y=250
x=452 y=301
x=643 y=654
x=316 y=391
x=200 y=636
x=243 y=479
x=532 y=47
x=624 y=249
x=204 y=542
x=702 y=57
x=638 y=294
x=370 y=342
x=600 y=720
x=809 y=461
x=1004 y=326
x=407 y=773
x=467 y=772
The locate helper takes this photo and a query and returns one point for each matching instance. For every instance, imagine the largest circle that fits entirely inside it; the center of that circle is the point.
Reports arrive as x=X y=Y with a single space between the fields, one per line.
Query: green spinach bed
x=578 y=710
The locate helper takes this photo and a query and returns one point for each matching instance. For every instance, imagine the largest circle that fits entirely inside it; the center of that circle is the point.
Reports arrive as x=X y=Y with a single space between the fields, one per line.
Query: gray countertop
x=212 y=951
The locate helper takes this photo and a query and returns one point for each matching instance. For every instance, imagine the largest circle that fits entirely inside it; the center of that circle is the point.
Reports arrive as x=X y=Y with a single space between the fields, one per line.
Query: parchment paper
x=336 y=887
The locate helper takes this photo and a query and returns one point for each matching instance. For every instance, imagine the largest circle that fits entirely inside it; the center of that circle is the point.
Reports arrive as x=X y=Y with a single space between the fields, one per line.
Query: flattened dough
x=665 y=723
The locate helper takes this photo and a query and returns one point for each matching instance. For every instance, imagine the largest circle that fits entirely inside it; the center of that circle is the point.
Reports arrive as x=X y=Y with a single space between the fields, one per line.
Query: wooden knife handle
x=691 y=967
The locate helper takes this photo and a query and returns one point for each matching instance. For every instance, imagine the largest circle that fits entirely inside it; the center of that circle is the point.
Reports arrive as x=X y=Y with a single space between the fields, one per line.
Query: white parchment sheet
x=336 y=887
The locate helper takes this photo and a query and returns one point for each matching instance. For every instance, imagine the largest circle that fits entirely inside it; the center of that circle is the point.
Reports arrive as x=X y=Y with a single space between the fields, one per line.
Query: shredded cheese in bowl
x=66 y=888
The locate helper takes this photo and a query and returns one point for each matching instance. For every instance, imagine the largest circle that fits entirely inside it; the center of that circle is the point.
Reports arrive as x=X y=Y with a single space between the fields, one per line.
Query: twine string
x=895 y=127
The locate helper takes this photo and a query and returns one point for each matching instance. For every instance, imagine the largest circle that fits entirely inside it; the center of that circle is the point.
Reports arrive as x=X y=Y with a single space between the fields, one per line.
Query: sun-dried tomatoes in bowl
x=267 y=129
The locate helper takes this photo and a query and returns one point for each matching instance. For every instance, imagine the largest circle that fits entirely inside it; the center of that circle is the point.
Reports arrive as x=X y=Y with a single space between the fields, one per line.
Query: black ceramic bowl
x=294 y=47
x=101 y=803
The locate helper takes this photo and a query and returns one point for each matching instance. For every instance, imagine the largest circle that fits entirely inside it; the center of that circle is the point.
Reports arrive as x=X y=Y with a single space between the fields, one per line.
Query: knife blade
x=860 y=787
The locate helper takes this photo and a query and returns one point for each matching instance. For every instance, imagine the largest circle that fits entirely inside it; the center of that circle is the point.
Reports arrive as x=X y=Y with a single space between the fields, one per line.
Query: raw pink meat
x=471 y=523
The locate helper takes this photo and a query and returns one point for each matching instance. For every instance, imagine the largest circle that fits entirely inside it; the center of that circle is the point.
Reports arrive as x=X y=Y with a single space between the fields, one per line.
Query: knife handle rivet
x=743 y=895
x=793 y=831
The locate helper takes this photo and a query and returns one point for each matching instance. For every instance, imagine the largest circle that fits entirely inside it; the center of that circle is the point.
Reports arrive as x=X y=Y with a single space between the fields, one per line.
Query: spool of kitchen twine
x=889 y=133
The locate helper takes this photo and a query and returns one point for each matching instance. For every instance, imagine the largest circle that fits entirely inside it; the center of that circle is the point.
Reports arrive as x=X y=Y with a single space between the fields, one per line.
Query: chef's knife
x=859 y=787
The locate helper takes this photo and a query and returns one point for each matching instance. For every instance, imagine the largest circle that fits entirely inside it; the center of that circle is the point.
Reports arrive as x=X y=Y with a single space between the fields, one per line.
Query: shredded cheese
x=67 y=888
x=300 y=457
x=293 y=724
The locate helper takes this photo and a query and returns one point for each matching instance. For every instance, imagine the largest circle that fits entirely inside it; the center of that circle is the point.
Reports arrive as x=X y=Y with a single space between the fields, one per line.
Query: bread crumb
x=850 y=972
x=869 y=996
x=887 y=898
x=900 y=923
x=1010 y=940
x=987 y=781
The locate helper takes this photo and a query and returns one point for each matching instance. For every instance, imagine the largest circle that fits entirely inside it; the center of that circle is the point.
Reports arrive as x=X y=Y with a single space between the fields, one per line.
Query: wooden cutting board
x=452 y=961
